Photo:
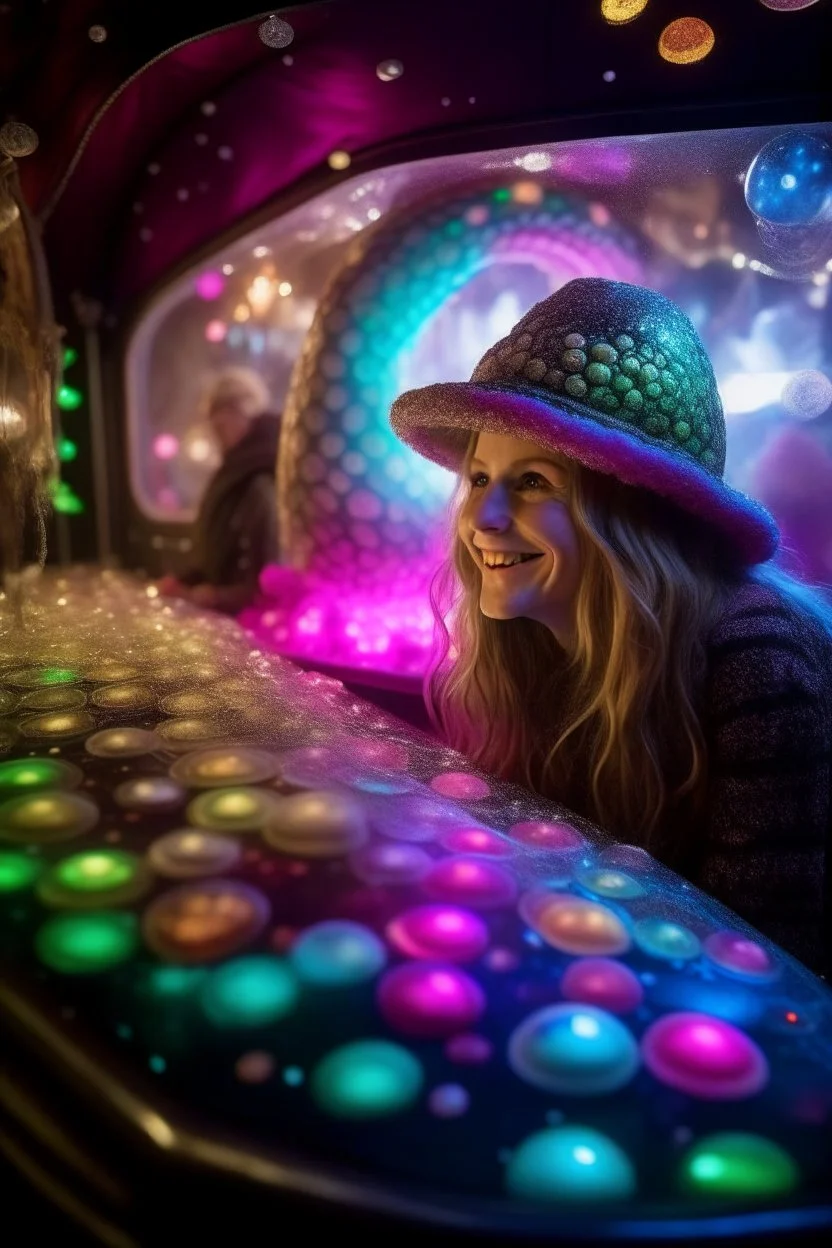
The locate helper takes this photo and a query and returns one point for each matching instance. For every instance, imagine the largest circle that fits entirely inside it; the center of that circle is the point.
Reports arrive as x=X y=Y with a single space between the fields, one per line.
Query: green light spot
x=69 y=399
x=58 y=676
x=568 y=1165
x=80 y=944
x=101 y=877
x=249 y=992
x=97 y=871
x=18 y=871
x=33 y=773
x=67 y=450
x=738 y=1164
x=157 y=1064
x=501 y=196
x=70 y=356
x=367 y=1079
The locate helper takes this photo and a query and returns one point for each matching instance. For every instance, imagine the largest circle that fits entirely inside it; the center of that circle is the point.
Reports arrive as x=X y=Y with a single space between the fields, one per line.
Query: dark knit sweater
x=762 y=847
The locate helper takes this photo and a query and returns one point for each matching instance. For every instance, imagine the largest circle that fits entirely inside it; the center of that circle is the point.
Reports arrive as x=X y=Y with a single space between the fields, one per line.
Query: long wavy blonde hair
x=613 y=728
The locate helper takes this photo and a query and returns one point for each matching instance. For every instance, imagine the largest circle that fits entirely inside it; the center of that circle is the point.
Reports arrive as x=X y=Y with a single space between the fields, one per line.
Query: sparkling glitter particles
x=181 y=735
x=208 y=769
x=189 y=854
x=617 y=12
x=129 y=697
x=97 y=879
x=538 y=834
x=686 y=40
x=441 y=933
x=58 y=698
x=570 y=1165
x=705 y=1057
x=234 y=810
x=44 y=818
x=430 y=1000
x=615 y=885
x=367 y=1079
x=202 y=922
x=460 y=785
x=336 y=954
x=576 y=1050
x=122 y=743
x=317 y=825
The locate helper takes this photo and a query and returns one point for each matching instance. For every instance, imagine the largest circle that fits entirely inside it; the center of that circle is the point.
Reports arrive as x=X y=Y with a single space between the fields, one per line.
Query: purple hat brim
x=437 y=421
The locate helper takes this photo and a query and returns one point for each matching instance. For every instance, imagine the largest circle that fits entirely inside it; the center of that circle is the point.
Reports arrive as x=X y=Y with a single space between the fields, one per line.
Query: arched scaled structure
x=355 y=504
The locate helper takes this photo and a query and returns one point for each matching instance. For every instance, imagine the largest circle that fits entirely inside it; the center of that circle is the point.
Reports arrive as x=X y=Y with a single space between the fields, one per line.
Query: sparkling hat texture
x=613 y=376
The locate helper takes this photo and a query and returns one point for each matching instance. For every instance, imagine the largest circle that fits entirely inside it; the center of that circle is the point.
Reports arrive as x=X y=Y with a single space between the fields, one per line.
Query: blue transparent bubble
x=789 y=182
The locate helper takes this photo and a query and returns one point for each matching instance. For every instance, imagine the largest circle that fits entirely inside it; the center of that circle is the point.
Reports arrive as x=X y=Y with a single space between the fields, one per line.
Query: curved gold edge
x=61 y=1197
x=163 y=1132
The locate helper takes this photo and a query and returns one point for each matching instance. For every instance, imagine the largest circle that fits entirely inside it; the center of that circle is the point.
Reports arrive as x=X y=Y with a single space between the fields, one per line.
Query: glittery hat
x=613 y=376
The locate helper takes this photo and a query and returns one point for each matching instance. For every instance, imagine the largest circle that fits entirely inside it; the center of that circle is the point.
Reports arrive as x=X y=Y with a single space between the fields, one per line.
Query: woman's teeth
x=501 y=559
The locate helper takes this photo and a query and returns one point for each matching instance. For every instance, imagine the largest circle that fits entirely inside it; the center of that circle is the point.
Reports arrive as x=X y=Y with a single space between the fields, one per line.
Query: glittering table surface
x=231 y=887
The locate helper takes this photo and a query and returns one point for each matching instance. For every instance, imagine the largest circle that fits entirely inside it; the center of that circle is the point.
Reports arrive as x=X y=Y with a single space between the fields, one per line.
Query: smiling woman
x=516 y=524
x=615 y=634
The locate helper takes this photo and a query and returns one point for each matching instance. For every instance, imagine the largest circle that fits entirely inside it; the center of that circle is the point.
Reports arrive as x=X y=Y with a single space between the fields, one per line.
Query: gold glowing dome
x=617 y=12
x=686 y=40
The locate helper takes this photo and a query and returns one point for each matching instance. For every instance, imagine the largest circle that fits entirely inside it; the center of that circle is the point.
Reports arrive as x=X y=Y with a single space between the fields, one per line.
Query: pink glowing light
x=446 y=932
x=471 y=882
x=165 y=446
x=430 y=1000
x=733 y=952
x=603 y=982
x=210 y=285
x=215 y=331
x=377 y=753
x=476 y=841
x=461 y=785
x=538 y=834
x=705 y=1057
x=469 y=1049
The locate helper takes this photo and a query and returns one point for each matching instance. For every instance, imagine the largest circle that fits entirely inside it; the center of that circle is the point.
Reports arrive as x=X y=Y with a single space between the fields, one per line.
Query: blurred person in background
x=236 y=528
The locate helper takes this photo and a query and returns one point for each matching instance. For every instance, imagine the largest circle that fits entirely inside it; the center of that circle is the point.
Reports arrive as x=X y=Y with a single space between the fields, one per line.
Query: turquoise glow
x=662 y=938
x=337 y=953
x=249 y=992
x=570 y=1164
x=578 y=1050
x=367 y=1079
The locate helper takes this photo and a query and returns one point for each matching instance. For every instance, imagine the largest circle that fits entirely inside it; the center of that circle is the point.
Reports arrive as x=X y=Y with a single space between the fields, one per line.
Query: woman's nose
x=493 y=511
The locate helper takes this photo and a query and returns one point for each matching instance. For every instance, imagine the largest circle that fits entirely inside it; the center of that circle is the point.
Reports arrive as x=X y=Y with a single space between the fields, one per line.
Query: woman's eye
x=532 y=481
x=479 y=480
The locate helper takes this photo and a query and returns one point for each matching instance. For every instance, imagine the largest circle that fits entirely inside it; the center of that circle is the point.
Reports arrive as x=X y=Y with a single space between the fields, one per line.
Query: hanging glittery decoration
x=17 y=139
x=275 y=33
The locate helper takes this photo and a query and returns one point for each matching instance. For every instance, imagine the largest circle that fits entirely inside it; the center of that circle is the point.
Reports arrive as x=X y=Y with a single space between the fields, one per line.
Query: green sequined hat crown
x=611 y=375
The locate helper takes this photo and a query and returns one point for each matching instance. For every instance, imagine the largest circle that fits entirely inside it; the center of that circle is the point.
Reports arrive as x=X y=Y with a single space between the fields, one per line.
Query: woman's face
x=519 y=531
